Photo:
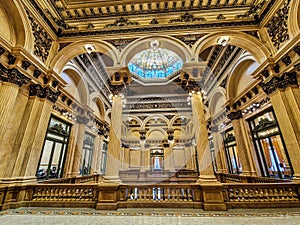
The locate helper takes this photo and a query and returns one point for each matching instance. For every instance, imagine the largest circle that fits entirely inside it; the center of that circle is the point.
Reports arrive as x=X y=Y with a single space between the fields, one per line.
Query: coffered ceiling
x=81 y=17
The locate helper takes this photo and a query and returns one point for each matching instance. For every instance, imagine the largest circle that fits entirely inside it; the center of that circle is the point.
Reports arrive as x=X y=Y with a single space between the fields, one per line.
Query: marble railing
x=208 y=196
x=95 y=178
x=161 y=193
x=262 y=195
x=64 y=193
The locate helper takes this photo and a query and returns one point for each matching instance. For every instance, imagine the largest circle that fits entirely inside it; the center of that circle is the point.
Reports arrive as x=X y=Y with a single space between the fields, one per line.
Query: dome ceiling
x=155 y=63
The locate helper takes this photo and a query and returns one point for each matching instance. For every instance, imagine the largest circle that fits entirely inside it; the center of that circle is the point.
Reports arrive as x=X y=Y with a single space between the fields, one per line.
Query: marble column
x=203 y=150
x=219 y=151
x=244 y=154
x=285 y=97
x=78 y=145
x=9 y=90
x=31 y=134
x=113 y=148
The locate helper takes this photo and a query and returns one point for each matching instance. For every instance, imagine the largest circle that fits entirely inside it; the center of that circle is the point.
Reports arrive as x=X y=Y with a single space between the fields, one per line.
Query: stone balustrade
x=160 y=195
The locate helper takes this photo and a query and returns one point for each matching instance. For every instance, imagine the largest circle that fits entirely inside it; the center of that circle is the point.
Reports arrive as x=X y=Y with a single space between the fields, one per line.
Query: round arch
x=18 y=24
x=137 y=119
x=77 y=48
x=167 y=42
x=242 y=65
x=76 y=76
x=165 y=119
x=96 y=98
x=294 y=18
x=215 y=101
x=156 y=129
x=240 y=39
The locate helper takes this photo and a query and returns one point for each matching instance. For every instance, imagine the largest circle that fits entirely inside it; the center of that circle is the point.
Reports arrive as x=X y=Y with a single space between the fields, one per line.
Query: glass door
x=234 y=166
x=54 y=150
x=272 y=156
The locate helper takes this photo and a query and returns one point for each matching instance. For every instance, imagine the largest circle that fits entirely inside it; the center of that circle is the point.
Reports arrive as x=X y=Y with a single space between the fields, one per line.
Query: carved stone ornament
x=41 y=92
x=42 y=41
x=122 y=22
x=277 y=27
x=82 y=119
x=187 y=17
x=286 y=80
x=116 y=89
x=235 y=115
x=13 y=76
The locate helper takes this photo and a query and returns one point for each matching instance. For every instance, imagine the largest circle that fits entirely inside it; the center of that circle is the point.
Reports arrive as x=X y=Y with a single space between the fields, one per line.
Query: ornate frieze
x=25 y=65
x=286 y=60
x=120 y=44
x=189 y=39
x=286 y=80
x=235 y=115
x=11 y=59
x=297 y=66
x=2 y=50
x=13 y=76
x=224 y=82
x=42 y=40
x=187 y=17
x=122 y=22
x=43 y=92
x=277 y=27
x=297 y=50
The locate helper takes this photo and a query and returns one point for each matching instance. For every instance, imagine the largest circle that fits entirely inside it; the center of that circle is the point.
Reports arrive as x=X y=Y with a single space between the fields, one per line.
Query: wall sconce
x=89 y=48
x=223 y=40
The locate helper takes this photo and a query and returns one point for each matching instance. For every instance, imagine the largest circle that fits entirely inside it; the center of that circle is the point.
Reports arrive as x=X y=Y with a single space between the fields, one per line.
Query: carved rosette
x=277 y=28
x=286 y=80
x=43 y=92
x=13 y=76
x=235 y=115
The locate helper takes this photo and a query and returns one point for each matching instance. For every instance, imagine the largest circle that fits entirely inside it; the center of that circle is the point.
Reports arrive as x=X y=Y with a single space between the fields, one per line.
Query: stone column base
x=112 y=179
x=207 y=179
x=213 y=199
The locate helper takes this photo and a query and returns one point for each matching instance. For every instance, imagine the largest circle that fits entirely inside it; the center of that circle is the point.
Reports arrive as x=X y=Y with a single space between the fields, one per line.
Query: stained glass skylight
x=155 y=62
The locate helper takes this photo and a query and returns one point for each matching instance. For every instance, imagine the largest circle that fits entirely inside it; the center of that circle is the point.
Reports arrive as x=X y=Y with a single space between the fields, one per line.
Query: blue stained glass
x=155 y=63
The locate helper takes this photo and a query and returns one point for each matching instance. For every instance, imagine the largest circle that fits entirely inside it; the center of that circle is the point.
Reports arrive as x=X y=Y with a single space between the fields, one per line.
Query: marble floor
x=63 y=216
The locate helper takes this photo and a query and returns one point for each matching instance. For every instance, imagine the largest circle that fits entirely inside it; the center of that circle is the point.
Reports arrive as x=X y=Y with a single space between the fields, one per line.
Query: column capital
x=13 y=76
x=43 y=92
x=282 y=82
x=235 y=115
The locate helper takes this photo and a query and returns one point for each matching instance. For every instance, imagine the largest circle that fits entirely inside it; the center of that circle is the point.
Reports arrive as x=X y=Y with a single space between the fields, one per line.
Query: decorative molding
x=253 y=11
x=286 y=80
x=297 y=50
x=11 y=59
x=235 y=115
x=189 y=39
x=187 y=17
x=2 y=50
x=277 y=27
x=221 y=17
x=121 y=22
x=43 y=92
x=286 y=60
x=13 y=76
x=224 y=82
x=25 y=65
x=42 y=41
x=116 y=89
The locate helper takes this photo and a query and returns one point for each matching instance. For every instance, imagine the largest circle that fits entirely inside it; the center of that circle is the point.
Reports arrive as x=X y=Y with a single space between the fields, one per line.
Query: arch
x=242 y=67
x=165 y=119
x=294 y=18
x=80 y=85
x=107 y=116
x=77 y=48
x=156 y=131
x=240 y=39
x=167 y=42
x=18 y=24
x=137 y=119
x=96 y=99
x=216 y=102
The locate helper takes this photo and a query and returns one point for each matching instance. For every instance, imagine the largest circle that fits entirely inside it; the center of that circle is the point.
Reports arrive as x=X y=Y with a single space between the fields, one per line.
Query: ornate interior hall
x=189 y=105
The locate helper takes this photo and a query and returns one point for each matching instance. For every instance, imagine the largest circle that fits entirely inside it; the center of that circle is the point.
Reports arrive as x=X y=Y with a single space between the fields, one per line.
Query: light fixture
x=223 y=40
x=89 y=48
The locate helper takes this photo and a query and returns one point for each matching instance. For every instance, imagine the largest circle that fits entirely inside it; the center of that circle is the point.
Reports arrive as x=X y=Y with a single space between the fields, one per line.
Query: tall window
x=54 y=150
x=270 y=149
x=157 y=159
x=103 y=158
x=87 y=153
x=231 y=153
